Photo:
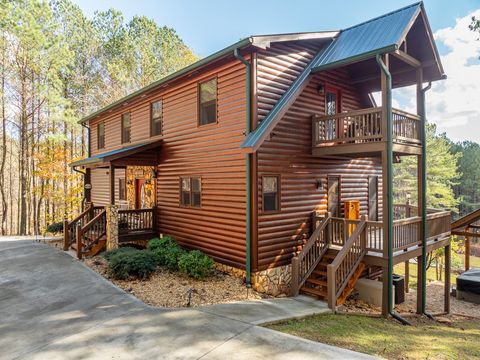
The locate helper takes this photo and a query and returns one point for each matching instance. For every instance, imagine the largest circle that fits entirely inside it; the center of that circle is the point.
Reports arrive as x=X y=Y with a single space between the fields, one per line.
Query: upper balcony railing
x=364 y=126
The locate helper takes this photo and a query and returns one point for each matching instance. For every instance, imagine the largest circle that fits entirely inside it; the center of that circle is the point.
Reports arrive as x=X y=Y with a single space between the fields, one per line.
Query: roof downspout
x=390 y=188
x=248 y=227
x=424 y=228
x=81 y=172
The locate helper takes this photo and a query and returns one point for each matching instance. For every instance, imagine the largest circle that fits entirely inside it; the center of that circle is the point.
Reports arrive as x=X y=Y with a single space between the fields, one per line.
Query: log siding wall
x=288 y=154
x=211 y=152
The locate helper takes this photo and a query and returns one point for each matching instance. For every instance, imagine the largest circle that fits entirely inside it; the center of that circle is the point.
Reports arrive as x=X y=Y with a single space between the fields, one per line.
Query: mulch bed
x=168 y=289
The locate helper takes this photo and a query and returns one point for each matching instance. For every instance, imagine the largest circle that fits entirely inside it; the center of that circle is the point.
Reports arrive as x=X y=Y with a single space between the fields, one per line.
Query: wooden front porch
x=87 y=233
x=365 y=132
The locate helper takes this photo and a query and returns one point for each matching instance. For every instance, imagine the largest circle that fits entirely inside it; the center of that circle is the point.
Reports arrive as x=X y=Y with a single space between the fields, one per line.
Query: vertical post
x=331 y=288
x=448 y=264
x=419 y=286
x=78 y=237
x=408 y=209
x=66 y=235
x=467 y=250
x=111 y=213
x=407 y=276
x=112 y=184
x=422 y=188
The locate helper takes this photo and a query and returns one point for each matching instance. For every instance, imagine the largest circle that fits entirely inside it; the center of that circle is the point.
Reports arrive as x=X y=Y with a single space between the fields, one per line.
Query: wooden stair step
x=314 y=291
x=320 y=272
x=330 y=256
x=317 y=281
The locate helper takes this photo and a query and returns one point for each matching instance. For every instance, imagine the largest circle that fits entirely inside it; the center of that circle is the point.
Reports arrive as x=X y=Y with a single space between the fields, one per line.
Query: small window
x=208 y=102
x=122 y=189
x=125 y=128
x=156 y=112
x=270 y=193
x=101 y=135
x=190 y=191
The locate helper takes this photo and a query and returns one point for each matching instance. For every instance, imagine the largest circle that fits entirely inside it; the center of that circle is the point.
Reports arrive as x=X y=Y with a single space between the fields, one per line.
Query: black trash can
x=399 y=282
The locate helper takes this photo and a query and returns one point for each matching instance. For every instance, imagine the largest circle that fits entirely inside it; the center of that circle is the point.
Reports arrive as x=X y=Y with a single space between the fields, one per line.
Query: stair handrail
x=81 y=231
x=307 y=260
x=346 y=262
x=70 y=226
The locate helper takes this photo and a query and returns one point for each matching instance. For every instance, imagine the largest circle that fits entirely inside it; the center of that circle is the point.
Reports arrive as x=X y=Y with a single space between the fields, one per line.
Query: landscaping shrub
x=126 y=249
x=157 y=243
x=172 y=256
x=196 y=264
x=131 y=263
x=55 y=227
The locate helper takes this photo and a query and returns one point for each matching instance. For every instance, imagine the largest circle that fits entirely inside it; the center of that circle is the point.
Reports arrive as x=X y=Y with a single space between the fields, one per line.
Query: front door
x=373 y=198
x=333 y=184
x=139 y=193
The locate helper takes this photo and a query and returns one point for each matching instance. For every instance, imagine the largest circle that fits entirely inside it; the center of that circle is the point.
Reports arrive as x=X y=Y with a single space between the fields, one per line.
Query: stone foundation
x=111 y=213
x=274 y=281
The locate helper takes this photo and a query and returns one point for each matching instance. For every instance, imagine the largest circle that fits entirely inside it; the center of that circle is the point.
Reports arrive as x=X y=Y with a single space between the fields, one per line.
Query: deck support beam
x=447 y=278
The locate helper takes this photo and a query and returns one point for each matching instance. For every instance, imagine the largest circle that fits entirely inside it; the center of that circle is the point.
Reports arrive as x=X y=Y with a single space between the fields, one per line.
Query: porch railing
x=346 y=263
x=364 y=126
x=69 y=227
x=307 y=260
x=88 y=235
x=136 y=220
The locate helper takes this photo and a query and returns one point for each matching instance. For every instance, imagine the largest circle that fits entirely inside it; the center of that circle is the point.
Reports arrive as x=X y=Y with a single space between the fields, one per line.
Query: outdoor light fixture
x=154 y=174
x=321 y=89
x=319 y=184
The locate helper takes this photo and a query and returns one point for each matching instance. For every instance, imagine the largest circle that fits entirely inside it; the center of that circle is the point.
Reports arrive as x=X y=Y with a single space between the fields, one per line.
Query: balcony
x=364 y=131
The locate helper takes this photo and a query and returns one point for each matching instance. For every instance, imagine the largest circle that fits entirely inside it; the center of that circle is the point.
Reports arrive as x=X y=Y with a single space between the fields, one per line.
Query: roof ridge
x=420 y=3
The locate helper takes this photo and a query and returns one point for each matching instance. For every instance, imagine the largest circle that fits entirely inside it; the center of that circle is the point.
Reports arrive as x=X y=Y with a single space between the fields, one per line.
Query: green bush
x=126 y=264
x=172 y=256
x=55 y=227
x=196 y=264
x=126 y=249
x=157 y=243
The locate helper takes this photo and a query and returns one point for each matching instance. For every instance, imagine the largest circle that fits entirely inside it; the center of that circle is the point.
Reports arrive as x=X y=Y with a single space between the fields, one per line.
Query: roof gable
x=379 y=35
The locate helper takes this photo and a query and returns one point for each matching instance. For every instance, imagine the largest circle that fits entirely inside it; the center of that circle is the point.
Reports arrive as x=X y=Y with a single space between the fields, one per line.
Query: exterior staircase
x=316 y=283
x=324 y=272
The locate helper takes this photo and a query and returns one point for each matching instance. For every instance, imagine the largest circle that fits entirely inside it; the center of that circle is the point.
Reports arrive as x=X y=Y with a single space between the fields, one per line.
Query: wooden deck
x=364 y=131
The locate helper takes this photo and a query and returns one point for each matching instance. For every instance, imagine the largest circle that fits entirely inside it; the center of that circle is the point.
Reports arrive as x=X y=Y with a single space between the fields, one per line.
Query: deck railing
x=305 y=262
x=346 y=262
x=136 y=220
x=364 y=126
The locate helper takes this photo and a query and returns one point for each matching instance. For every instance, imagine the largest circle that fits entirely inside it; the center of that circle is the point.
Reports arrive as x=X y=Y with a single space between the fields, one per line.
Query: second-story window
x=101 y=135
x=125 y=128
x=156 y=113
x=207 y=102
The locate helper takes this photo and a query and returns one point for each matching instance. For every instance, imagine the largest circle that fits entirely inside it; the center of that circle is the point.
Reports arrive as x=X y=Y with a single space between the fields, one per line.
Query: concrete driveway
x=53 y=307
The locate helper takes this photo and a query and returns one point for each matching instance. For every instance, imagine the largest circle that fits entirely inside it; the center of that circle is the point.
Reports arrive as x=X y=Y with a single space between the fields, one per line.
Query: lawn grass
x=387 y=338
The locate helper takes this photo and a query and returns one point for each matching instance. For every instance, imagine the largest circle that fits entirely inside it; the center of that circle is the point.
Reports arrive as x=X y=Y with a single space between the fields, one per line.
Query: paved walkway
x=53 y=307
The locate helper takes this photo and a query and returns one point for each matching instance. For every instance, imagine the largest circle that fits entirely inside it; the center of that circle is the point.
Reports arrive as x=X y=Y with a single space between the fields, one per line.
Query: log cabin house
x=259 y=154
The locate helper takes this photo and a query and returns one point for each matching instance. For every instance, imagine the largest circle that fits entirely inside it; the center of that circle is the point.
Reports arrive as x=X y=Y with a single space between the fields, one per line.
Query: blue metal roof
x=380 y=35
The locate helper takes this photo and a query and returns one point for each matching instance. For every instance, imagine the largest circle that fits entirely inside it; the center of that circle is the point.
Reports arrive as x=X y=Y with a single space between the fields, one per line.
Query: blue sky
x=209 y=25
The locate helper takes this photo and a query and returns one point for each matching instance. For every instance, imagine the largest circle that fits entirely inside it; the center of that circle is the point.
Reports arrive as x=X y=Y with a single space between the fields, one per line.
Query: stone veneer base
x=275 y=281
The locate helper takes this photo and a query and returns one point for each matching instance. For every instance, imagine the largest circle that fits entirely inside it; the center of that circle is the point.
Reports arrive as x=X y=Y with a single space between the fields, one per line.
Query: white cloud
x=454 y=104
